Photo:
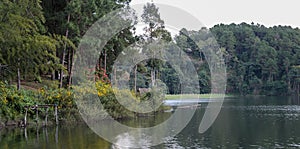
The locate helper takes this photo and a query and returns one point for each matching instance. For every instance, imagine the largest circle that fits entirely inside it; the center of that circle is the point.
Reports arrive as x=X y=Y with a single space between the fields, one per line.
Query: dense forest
x=260 y=60
x=38 y=41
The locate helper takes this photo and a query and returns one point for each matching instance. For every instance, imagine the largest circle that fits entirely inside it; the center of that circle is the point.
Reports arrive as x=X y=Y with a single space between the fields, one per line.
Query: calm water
x=261 y=122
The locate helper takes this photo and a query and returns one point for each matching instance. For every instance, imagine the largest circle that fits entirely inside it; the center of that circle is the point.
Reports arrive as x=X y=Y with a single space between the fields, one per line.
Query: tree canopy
x=39 y=38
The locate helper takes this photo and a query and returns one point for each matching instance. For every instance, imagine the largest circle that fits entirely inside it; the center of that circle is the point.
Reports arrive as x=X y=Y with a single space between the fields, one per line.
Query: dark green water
x=253 y=122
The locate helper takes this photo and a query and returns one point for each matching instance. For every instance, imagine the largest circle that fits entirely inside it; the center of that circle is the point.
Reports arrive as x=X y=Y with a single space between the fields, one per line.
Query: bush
x=61 y=97
x=13 y=102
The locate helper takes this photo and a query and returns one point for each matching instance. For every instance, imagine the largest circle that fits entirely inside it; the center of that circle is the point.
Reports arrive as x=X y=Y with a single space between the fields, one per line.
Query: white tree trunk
x=63 y=56
x=152 y=77
x=135 y=78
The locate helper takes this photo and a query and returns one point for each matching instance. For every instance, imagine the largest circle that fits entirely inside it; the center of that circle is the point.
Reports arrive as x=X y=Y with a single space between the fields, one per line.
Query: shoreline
x=196 y=96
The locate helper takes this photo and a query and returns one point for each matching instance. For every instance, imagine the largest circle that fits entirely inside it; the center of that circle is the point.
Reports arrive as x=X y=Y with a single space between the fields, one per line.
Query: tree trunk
x=152 y=77
x=19 y=79
x=105 y=60
x=63 y=56
x=69 y=61
x=289 y=85
x=70 y=67
x=100 y=61
x=53 y=75
x=135 y=78
x=115 y=77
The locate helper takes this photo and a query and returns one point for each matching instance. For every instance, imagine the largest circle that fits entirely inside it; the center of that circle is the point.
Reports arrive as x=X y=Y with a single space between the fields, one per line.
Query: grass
x=33 y=85
x=195 y=96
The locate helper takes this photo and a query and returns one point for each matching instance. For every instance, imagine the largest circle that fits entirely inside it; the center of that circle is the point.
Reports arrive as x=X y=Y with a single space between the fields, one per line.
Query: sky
x=212 y=12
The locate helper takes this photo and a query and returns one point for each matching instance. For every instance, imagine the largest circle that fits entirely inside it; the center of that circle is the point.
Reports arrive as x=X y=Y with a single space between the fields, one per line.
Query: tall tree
x=24 y=46
x=154 y=31
x=72 y=19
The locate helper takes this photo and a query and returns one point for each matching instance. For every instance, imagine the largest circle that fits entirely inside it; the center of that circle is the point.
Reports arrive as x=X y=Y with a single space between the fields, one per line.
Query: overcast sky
x=266 y=12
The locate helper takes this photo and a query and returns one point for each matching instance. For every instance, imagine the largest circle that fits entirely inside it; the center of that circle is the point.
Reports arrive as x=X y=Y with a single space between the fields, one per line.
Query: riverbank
x=196 y=96
x=66 y=117
x=73 y=118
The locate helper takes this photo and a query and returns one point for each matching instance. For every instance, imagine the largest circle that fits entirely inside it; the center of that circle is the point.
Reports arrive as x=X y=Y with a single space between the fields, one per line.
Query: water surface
x=252 y=122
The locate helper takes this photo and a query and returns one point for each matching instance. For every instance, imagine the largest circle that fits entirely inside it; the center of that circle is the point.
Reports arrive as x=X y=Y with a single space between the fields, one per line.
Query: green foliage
x=260 y=60
x=155 y=29
x=23 y=43
x=61 y=97
x=87 y=96
x=12 y=102
x=113 y=107
x=71 y=20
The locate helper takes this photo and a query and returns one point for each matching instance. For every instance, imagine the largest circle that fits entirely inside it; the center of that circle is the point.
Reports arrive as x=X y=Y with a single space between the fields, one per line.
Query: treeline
x=260 y=60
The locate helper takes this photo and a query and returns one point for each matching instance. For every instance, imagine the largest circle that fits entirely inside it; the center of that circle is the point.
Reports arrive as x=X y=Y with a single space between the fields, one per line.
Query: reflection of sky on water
x=132 y=138
x=135 y=139
x=186 y=102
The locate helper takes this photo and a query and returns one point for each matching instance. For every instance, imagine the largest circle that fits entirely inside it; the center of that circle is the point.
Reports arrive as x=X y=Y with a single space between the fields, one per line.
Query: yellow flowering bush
x=103 y=88
x=62 y=97
x=12 y=101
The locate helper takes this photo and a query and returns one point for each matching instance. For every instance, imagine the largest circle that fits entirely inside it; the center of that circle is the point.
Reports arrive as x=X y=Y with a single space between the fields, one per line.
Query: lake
x=244 y=122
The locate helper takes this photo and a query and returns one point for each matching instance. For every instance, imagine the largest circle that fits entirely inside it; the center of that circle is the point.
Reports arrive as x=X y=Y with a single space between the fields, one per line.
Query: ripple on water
x=294 y=145
x=291 y=112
